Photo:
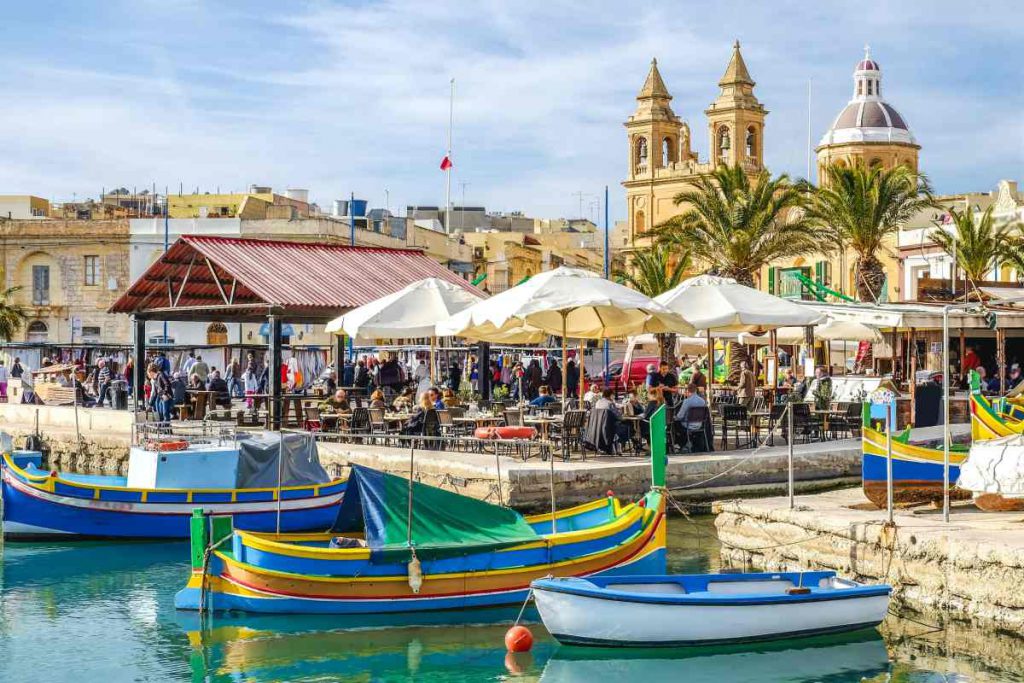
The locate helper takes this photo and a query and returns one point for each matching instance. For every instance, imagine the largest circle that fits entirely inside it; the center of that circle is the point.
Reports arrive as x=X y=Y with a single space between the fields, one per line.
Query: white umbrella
x=831 y=330
x=569 y=302
x=722 y=304
x=461 y=325
x=413 y=311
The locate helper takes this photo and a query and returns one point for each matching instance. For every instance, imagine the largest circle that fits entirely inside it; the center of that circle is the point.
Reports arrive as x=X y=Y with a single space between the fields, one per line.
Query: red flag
x=446 y=163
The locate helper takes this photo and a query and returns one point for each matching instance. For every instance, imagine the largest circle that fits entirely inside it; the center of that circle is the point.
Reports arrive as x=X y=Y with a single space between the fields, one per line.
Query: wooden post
x=139 y=352
x=711 y=367
x=963 y=349
x=276 y=358
x=912 y=375
x=1001 y=359
x=773 y=380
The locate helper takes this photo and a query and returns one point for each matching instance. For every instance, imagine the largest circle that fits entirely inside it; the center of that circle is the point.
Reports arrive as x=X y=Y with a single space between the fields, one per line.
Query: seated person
x=338 y=403
x=544 y=398
x=405 y=401
x=989 y=385
x=417 y=422
x=593 y=393
x=605 y=428
x=449 y=398
x=789 y=379
x=195 y=383
x=633 y=406
x=377 y=400
x=691 y=400
x=178 y=389
x=217 y=384
x=434 y=394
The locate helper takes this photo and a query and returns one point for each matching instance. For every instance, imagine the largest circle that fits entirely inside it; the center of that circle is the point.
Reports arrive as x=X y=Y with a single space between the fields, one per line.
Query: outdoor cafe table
x=202 y=399
x=481 y=420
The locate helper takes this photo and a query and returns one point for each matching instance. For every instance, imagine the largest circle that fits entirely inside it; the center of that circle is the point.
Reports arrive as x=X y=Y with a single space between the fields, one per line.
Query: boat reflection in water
x=847 y=657
x=459 y=646
x=468 y=646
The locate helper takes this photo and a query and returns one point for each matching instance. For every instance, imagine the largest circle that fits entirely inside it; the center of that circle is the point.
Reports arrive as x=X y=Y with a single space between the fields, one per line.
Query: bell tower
x=736 y=119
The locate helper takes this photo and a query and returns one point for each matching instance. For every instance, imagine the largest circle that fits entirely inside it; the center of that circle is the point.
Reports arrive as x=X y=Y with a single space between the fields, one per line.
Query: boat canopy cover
x=257 y=461
x=444 y=523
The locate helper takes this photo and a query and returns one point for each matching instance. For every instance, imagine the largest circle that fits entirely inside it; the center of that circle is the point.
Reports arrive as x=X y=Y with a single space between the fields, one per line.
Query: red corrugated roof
x=307 y=278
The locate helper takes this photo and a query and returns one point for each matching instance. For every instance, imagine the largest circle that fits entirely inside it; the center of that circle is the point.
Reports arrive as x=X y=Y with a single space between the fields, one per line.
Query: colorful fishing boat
x=994 y=419
x=917 y=467
x=705 y=609
x=402 y=546
x=265 y=485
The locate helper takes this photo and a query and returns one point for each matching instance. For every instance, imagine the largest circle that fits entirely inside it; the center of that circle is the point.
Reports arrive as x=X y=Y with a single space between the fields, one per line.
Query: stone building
x=69 y=272
x=662 y=161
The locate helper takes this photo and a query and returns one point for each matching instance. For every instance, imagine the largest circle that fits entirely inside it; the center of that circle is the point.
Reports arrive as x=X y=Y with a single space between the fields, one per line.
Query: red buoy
x=518 y=639
x=610 y=494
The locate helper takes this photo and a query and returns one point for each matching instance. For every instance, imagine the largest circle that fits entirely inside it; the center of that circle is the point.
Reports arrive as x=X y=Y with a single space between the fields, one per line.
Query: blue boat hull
x=31 y=514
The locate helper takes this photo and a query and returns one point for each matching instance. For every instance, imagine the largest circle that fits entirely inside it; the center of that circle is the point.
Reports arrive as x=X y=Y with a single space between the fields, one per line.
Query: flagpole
x=448 y=171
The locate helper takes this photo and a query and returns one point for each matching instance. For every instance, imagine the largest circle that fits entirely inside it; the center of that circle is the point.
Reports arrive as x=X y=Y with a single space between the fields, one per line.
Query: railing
x=152 y=435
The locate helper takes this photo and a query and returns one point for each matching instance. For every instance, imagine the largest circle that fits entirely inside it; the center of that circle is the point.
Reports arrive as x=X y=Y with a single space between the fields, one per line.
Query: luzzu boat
x=169 y=476
x=994 y=419
x=917 y=467
x=412 y=547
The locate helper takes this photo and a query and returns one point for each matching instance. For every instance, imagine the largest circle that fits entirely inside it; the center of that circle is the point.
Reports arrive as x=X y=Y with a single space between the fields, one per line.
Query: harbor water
x=104 y=612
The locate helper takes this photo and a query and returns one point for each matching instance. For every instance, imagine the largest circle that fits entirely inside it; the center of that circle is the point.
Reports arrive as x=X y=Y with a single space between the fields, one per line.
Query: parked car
x=635 y=375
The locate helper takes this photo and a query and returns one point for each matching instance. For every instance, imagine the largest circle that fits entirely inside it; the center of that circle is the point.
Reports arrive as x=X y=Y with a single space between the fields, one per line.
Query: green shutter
x=771 y=280
x=819 y=272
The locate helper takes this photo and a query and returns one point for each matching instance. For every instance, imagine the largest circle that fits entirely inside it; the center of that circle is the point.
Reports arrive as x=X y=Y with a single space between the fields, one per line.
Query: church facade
x=662 y=162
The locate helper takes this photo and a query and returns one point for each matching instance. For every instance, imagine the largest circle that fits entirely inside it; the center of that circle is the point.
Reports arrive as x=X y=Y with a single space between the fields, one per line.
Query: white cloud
x=345 y=97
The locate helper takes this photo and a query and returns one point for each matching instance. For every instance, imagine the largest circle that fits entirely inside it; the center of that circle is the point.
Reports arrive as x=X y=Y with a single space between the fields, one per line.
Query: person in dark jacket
x=554 y=379
x=533 y=380
x=361 y=378
x=572 y=379
x=218 y=384
x=454 y=376
x=160 y=398
x=605 y=428
x=16 y=370
x=178 y=389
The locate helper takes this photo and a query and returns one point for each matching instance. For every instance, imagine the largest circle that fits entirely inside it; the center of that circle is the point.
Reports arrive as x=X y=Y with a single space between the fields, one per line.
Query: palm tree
x=974 y=245
x=860 y=207
x=737 y=223
x=655 y=271
x=11 y=315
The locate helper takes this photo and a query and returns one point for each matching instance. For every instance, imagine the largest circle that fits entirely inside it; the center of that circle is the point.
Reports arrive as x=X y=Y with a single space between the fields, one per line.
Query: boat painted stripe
x=167 y=508
x=730 y=601
x=603 y=642
x=636 y=549
x=514 y=588
x=874 y=444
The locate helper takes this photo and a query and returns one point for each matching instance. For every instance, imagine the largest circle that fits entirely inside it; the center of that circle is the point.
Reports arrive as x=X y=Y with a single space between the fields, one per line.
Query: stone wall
x=970 y=569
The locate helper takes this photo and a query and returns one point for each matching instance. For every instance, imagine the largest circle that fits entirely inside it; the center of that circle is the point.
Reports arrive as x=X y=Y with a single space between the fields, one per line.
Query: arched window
x=751 y=143
x=36 y=331
x=871 y=86
x=639 y=224
x=860 y=87
x=724 y=142
x=668 y=151
x=217 y=334
x=641 y=151
x=878 y=88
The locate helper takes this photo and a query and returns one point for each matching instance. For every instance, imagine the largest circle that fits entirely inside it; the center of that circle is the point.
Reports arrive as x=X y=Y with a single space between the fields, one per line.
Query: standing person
x=699 y=379
x=474 y=373
x=823 y=389
x=361 y=378
x=190 y=360
x=3 y=382
x=250 y=382
x=534 y=379
x=165 y=364
x=234 y=378
x=160 y=397
x=16 y=369
x=103 y=381
x=554 y=378
x=747 y=385
x=129 y=374
x=200 y=368
x=422 y=377
x=572 y=379
x=454 y=376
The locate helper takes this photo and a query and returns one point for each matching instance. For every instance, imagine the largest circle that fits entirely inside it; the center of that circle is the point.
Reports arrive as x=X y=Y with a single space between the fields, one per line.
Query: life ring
x=505 y=432
x=162 y=446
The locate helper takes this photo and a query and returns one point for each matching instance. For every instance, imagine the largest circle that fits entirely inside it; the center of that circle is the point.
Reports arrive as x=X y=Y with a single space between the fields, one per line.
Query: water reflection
x=852 y=657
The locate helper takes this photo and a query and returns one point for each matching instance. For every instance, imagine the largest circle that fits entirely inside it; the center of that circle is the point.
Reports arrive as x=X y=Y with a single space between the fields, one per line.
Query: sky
x=341 y=97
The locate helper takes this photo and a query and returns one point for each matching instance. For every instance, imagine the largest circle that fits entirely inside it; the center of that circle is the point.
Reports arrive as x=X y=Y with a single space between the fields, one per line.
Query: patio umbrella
x=831 y=330
x=570 y=303
x=413 y=311
x=721 y=304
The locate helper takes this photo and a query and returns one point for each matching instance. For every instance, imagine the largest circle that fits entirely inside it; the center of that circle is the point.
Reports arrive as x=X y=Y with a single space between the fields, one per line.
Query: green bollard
x=198 y=538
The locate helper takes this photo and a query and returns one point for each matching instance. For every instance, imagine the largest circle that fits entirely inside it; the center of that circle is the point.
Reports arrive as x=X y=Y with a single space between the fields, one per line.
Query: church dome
x=868 y=117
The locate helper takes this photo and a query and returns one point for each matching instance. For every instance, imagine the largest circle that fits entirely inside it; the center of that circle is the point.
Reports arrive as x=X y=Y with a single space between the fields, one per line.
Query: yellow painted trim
x=228 y=559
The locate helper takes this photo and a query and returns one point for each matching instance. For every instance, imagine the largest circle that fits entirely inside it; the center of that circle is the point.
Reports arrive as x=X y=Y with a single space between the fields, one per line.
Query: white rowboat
x=704 y=609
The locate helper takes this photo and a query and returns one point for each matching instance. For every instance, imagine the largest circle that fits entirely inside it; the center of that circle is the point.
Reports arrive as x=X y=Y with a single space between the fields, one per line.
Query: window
x=638 y=224
x=789 y=285
x=751 y=143
x=41 y=286
x=641 y=152
x=217 y=334
x=724 y=143
x=668 y=155
x=37 y=331
x=92 y=271
x=90 y=333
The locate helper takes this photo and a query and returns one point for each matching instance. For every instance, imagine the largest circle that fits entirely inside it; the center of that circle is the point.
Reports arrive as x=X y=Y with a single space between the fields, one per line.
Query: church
x=662 y=162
